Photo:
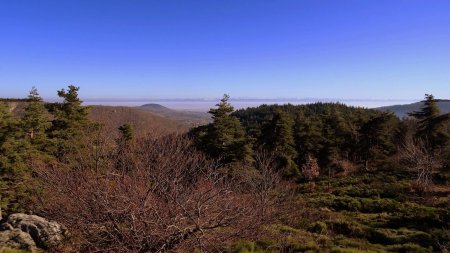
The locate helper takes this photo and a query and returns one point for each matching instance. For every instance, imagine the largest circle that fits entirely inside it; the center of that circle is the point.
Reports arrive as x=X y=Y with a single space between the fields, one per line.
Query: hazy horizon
x=203 y=105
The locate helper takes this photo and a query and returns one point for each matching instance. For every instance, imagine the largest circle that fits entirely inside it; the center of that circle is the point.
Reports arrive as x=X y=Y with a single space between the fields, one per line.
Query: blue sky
x=131 y=49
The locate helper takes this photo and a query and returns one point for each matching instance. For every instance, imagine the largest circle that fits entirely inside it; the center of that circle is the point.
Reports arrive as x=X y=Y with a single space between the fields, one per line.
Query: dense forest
x=321 y=177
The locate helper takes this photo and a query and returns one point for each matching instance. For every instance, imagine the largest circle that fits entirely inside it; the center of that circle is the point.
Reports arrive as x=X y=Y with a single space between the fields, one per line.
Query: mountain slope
x=143 y=121
x=190 y=118
x=402 y=110
x=114 y=116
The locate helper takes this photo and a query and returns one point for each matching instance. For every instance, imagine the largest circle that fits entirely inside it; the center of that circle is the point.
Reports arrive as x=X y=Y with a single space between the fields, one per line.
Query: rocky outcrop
x=20 y=227
x=16 y=239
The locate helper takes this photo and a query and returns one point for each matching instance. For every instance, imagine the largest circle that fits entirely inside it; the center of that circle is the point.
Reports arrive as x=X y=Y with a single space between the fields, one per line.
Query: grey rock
x=5 y=226
x=16 y=239
x=45 y=233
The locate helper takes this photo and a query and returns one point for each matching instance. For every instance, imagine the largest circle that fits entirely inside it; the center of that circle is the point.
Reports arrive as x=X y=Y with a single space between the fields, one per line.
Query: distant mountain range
x=402 y=110
x=190 y=118
x=150 y=116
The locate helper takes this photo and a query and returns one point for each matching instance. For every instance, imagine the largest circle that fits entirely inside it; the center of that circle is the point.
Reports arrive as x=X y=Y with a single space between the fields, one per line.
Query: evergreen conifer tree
x=431 y=127
x=126 y=131
x=279 y=137
x=4 y=128
x=377 y=138
x=13 y=161
x=308 y=136
x=71 y=119
x=35 y=121
x=225 y=137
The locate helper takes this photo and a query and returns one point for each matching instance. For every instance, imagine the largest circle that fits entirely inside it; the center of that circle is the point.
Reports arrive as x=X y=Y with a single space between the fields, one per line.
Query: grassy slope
x=367 y=212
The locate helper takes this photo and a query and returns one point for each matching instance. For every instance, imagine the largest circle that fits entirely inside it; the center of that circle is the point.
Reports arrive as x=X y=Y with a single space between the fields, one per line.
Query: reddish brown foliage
x=154 y=195
x=311 y=169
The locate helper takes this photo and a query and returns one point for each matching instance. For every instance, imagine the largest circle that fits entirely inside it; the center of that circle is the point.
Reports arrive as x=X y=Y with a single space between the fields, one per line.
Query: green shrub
x=265 y=243
x=419 y=217
x=379 y=205
x=286 y=229
x=399 y=236
x=351 y=250
x=300 y=247
x=346 y=227
x=365 y=205
x=318 y=227
x=408 y=248
x=244 y=247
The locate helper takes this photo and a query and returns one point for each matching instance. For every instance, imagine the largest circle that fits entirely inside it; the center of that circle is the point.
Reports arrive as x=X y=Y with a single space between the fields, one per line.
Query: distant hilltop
x=191 y=118
x=403 y=110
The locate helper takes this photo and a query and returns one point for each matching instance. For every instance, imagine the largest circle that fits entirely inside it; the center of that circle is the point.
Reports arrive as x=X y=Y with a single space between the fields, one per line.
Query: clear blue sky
x=379 y=49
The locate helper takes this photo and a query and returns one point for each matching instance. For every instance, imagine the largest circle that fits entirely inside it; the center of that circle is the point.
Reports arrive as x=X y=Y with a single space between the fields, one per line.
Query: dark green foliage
x=32 y=137
x=69 y=123
x=224 y=138
x=308 y=135
x=14 y=155
x=327 y=131
x=432 y=124
x=127 y=131
x=35 y=122
x=376 y=138
x=408 y=248
x=319 y=227
x=364 y=205
x=244 y=247
x=279 y=139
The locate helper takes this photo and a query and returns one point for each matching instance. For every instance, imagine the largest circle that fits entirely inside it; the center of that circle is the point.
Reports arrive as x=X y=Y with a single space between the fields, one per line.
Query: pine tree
x=279 y=138
x=225 y=137
x=308 y=136
x=432 y=123
x=35 y=121
x=71 y=119
x=5 y=120
x=377 y=138
x=126 y=131
x=13 y=161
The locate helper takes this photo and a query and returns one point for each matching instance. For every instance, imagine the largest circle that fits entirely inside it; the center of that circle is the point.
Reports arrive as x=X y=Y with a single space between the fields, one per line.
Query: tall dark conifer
x=13 y=161
x=71 y=118
x=279 y=137
x=377 y=137
x=35 y=122
x=431 y=127
x=225 y=137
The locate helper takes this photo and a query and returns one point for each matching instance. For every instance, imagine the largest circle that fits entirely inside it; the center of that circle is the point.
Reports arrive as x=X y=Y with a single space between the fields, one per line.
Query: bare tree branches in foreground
x=161 y=196
x=421 y=160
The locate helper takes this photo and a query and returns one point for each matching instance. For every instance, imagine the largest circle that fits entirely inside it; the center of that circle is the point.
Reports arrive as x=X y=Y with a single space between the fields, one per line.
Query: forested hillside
x=320 y=177
x=334 y=133
x=403 y=110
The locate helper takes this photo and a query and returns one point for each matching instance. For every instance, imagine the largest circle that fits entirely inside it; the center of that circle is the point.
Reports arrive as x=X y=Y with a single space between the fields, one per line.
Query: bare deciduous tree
x=311 y=170
x=265 y=183
x=422 y=161
x=168 y=197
